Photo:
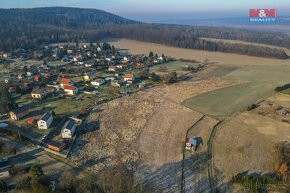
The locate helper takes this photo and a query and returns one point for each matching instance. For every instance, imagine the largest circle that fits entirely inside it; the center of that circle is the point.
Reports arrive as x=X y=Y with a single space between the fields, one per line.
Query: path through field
x=195 y=163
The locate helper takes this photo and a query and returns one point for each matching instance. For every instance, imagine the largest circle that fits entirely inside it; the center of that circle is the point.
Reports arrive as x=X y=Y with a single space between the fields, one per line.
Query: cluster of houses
x=44 y=122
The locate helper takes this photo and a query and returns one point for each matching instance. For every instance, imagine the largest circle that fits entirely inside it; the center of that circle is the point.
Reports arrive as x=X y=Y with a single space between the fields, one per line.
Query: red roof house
x=65 y=81
x=36 y=78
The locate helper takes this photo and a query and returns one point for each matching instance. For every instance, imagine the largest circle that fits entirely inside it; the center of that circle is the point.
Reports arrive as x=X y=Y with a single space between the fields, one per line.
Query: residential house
x=109 y=78
x=89 y=76
x=45 y=121
x=11 y=89
x=120 y=66
x=130 y=78
x=18 y=113
x=36 y=78
x=66 y=82
x=125 y=58
x=99 y=49
x=70 y=90
x=38 y=93
x=68 y=129
x=109 y=59
x=89 y=65
x=56 y=145
x=139 y=65
x=98 y=82
x=112 y=68
x=29 y=73
x=20 y=76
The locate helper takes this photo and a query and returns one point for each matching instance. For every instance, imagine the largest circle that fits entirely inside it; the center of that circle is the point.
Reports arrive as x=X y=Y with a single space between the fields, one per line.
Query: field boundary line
x=209 y=156
x=183 y=153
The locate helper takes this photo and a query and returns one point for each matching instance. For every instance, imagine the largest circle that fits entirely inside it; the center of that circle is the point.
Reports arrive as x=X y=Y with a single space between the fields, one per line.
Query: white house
x=45 y=121
x=70 y=90
x=112 y=68
x=98 y=82
x=68 y=129
x=129 y=78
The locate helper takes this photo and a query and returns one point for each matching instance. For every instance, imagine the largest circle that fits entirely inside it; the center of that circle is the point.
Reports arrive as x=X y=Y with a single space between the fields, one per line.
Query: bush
x=170 y=77
x=280 y=88
x=253 y=106
x=36 y=172
x=255 y=184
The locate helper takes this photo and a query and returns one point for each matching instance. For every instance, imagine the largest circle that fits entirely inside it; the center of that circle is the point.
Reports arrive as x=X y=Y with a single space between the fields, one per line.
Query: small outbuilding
x=18 y=113
x=56 y=145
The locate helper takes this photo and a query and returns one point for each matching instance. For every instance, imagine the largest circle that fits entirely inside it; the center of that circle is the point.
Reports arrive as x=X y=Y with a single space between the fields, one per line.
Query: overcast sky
x=162 y=9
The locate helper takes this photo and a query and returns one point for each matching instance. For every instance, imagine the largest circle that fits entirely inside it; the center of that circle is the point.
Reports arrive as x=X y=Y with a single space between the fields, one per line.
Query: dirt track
x=195 y=163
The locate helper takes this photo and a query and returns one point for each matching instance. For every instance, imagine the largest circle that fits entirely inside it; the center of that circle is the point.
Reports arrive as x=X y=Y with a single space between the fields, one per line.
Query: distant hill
x=62 y=17
x=30 y=28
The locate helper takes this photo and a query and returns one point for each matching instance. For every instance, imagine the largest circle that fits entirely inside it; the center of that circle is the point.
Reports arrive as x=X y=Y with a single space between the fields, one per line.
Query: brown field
x=137 y=47
x=147 y=130
x=246 y=143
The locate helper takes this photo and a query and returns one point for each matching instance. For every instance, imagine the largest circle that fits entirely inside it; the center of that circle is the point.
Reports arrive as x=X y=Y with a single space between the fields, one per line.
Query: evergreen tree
x=6 y=101
x=36 y=172
x=151 y=54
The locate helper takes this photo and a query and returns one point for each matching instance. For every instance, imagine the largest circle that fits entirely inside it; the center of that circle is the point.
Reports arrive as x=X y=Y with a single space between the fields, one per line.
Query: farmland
x=224 y=102
x=261 y=75
x=137 y=47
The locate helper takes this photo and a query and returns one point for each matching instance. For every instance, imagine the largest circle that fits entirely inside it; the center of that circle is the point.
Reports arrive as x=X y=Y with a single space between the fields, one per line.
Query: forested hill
x=63 y=17
x=30 y=28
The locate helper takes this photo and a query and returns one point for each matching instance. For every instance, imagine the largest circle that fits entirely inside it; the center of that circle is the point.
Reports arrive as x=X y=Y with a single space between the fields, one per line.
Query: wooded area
x=30 y=28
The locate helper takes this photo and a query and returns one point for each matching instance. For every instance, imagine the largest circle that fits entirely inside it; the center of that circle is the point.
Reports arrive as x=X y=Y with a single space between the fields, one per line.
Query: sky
x=158 y=10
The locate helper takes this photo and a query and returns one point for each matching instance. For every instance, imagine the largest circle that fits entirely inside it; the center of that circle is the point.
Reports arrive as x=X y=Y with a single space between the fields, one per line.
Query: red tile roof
x=69 y=87
x=64 y=81
x=128 y=76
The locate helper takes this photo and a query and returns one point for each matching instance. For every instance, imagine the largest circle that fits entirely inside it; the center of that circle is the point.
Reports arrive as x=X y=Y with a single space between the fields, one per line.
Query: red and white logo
x=263 y=15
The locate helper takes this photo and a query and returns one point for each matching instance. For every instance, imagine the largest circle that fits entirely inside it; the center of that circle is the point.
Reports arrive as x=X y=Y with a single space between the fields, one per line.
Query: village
x=54 y=89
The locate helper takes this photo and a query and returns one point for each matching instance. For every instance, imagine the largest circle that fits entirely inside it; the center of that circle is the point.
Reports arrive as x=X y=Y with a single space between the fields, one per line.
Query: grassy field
x=286 y=91
x=58 y=105
x=223 y=102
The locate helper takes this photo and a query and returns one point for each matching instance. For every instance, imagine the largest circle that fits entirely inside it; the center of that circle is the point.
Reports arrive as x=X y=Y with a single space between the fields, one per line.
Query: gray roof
x=20 y=110
x=69 y=124
x=45 y=117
